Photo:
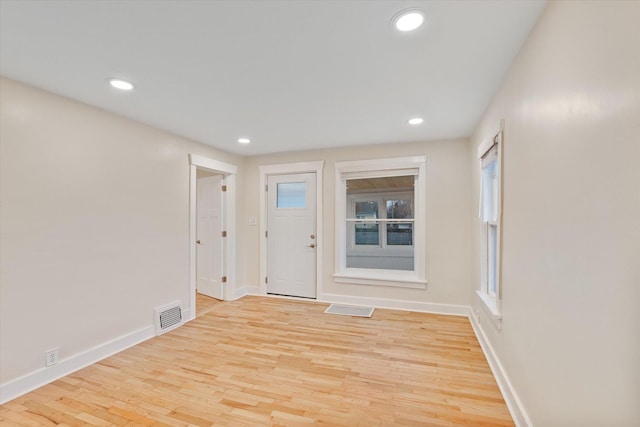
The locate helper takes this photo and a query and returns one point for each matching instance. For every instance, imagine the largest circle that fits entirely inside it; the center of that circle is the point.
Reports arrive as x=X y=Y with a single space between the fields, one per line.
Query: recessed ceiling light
x=408 y=20
x=121 y=84
x=415 y=121
x=244 y=140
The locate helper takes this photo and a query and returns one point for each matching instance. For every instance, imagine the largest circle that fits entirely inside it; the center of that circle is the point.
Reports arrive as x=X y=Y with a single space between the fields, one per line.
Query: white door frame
x=229 y=213
x=284 y=169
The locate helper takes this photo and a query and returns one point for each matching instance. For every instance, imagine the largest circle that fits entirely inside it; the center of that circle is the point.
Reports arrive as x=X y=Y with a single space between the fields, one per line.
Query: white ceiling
x=291 y=75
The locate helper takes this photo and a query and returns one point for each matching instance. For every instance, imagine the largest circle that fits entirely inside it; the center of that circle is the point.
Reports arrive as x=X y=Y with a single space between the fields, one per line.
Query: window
x=380 y=222
x=490 y=212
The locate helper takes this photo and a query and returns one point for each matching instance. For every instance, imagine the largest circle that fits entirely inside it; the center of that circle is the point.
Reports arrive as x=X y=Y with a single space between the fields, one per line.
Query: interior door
x=209 y=237
x=291 y=235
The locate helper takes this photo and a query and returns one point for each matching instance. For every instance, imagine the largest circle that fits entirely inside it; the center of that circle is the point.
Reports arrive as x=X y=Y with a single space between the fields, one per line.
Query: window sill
x=377 y=281
x=491 y=309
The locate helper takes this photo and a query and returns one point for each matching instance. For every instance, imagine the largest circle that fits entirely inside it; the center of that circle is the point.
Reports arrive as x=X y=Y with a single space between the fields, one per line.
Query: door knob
x=311 y=245
x=198 y=241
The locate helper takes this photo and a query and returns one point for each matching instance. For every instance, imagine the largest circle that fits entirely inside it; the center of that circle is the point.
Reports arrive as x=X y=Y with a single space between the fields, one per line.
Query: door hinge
x=224 y=279
x=266 y=280
x=266 y=233
x=224 y=188
x=266 y=187
x=224 y=234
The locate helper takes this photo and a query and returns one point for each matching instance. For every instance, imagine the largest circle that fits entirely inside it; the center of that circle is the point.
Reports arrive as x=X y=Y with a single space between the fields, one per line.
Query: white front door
x=291 y=235
x=209 y=237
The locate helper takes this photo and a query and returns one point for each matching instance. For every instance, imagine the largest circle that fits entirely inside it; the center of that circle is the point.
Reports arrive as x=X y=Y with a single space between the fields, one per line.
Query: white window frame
x=492 y=301
x=415 y=165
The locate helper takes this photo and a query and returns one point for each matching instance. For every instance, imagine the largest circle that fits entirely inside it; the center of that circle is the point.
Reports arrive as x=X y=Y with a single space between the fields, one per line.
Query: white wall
x=448 y=204
x=94 y=225
x=570 y=341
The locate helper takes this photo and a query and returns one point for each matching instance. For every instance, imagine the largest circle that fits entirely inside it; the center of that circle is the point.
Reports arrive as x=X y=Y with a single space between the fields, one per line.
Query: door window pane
x=292 y=195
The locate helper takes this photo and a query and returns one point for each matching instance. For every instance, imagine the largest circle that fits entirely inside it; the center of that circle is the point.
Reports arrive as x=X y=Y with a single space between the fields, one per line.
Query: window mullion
x=382 y=214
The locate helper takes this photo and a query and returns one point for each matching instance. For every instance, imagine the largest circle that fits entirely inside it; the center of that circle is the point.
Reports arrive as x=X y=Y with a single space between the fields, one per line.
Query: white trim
x=372 y=167
x=229 y=214
x=253 y=290
x=286 y=168
x=394 y=281
x=212 y=164
x=416 y=306
x=240 y=292
x=193 y=221
x=485 y=146
x=422 y=307
x=514 y=404
x=384 y=164
x=231 y=241
x=44 y=376
x=283 y=169
x=488 y=143
x=491 y=307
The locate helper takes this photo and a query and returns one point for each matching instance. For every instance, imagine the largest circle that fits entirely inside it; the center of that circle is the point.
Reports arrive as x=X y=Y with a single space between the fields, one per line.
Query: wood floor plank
x=268 y=361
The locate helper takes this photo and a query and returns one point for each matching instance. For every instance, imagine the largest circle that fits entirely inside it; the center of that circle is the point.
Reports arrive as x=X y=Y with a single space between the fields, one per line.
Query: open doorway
x=211 y=234
x=209 y=239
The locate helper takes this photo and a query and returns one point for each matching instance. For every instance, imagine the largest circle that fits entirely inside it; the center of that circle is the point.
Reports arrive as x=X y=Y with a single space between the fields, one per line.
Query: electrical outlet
x=51 y=357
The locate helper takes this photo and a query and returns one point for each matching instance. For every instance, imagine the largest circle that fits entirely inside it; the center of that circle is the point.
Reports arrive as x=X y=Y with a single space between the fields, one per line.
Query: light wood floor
x=266 y=361
x=204 y=304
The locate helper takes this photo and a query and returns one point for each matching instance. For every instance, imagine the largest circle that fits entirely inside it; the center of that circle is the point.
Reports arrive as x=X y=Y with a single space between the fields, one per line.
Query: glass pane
x=492 y=259
x=292 y=195
x=367 y=210
x=400 y=233
x=490 y=191
x=367 y=234
x=400 y=209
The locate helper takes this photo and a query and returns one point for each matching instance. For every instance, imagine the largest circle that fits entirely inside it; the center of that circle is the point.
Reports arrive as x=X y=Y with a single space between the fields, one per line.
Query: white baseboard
x=34 y=380
x=424 y=307
x=516 y=408
x=239 y=293
x=253 y=290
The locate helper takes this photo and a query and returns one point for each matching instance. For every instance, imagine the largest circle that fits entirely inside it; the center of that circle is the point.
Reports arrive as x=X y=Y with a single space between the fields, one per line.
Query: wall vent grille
x=168 y=317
